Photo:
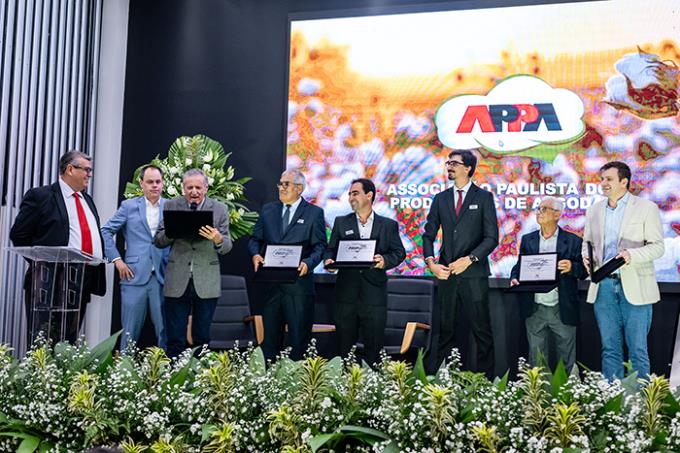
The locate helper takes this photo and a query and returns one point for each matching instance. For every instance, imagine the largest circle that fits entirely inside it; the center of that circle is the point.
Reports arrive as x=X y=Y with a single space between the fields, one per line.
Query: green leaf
x=102 y=350
x=418 y=371
x=45 y=446
x=107 y=362
x=352 y=429
x=180 y=376
x=334 y=368
x=206 y=432
x=613 y=405
x=392 y=447
x=672 y=406
x=29 y=444
x=502 y=383
x=257 y=363
x=559 y=378
x=630 y=383
x=320 y=440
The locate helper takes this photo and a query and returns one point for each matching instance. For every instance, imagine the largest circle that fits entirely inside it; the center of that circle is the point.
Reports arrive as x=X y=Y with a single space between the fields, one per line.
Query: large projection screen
x=546 y=93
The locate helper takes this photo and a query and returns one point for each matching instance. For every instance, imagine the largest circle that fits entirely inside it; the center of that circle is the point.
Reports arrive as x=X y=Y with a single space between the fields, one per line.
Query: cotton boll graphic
x=308 y=86
x=645 y=86
x=371 y=153
x=415 y=165
x=414 y=126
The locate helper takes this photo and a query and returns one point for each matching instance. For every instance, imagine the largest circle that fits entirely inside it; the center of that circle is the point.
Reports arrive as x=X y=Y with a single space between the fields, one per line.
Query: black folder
x=185 y=224
x=596 y=276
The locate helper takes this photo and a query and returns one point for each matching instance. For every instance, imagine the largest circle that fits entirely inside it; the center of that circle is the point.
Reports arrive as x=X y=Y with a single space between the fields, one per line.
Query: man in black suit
x=361 y=294
x=557 y=310
x=291 y=220
x=467 y=217
x=55 y=215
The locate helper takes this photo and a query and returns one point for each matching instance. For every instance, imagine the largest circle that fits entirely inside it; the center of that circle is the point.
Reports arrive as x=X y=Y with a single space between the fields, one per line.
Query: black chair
x=410 y=302
x=233 y=321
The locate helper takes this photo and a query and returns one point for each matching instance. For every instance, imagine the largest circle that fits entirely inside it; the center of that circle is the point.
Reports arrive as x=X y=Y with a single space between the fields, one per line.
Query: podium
x=55 y=294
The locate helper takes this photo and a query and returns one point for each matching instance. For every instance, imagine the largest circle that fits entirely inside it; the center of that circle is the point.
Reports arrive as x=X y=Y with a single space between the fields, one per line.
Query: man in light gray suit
x=192 y=277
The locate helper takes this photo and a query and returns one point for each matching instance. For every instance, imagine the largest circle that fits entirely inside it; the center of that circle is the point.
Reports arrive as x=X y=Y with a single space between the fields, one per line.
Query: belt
x=614 y=276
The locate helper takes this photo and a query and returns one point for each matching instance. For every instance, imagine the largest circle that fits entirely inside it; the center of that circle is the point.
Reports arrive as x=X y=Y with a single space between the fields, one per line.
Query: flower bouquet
x=208 y=155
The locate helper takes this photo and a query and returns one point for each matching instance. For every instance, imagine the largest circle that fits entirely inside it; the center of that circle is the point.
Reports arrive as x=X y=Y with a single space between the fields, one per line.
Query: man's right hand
x=439 y=271
x=257 y=260
x=124 y=272
x=514 y=282
x=586 y=263
x=330 y=261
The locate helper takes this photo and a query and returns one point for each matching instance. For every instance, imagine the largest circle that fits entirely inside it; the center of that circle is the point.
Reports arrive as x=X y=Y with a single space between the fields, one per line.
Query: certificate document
x=541 y=267
x=282 y=256
x=359 y=250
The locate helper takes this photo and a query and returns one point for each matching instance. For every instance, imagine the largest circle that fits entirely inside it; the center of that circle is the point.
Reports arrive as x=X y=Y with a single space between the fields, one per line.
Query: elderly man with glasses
x=291 y=220
x=556 y=312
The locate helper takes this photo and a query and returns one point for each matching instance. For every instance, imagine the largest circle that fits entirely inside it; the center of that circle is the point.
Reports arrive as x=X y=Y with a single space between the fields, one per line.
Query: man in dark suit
x=55 y=215
x=361 y=294
x=192 y=282
x=467 y=217
x=557 y=310
x=291 y=220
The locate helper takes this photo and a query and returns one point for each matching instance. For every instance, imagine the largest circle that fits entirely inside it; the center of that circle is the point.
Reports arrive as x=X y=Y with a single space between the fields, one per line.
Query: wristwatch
x=473 y=258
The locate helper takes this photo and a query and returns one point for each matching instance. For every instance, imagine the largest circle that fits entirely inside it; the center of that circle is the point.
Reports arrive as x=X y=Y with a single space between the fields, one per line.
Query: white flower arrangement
x=70 y=398
x=208 y=155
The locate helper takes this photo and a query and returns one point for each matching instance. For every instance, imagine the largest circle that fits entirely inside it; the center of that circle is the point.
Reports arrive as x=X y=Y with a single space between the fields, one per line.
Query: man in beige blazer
x=629 y=227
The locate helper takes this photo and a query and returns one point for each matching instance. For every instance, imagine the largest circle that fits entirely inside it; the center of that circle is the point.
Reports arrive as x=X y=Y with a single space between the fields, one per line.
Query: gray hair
x=70 y=158
x=194 y=172
x=298 y=177
x=554 y=203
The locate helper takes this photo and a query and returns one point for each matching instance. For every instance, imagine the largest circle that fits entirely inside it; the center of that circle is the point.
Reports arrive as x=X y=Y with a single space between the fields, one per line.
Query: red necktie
x=459 y=202
x=84 y=226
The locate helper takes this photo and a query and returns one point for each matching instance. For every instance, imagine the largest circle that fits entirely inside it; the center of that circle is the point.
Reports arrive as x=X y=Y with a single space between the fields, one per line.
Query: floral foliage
x=71 y=398
x=208 y=155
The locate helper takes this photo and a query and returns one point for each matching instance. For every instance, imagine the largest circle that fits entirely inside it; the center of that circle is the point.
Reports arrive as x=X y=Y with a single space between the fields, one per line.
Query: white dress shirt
x=75 y=237
x=365 y=229
x=547 y=245
x=465 y=190
x=293 y=208
x=153 y=215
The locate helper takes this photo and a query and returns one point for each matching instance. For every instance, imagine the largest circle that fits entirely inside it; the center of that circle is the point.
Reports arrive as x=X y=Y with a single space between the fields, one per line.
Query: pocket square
x=301 y=221
x=349 y=232
x=473 y=206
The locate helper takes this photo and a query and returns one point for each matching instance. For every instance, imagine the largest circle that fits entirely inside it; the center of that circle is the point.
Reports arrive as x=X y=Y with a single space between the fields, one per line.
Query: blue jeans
x=135 y=300
x=619 y=320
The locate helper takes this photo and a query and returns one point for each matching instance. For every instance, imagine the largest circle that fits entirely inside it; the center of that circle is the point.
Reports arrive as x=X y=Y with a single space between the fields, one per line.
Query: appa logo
x=522 y=115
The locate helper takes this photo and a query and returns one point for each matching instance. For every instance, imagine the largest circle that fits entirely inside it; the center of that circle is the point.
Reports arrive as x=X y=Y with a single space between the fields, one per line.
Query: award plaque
x=281 y=262
x=537 y=273
x=354 y=253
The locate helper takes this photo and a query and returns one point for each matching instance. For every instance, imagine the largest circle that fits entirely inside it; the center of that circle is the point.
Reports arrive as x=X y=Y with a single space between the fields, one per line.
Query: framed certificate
x=537 y=273
x=281 y=262
x=354 y=253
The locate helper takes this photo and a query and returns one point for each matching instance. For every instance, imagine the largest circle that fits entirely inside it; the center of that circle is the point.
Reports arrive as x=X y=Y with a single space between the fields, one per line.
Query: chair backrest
x=232 y=307
x=408 y=300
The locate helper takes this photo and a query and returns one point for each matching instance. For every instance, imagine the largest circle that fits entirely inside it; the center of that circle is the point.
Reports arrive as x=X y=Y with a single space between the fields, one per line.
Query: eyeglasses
x=544 y=209
x=453 y=163
x=87 y=170
x=286 y=184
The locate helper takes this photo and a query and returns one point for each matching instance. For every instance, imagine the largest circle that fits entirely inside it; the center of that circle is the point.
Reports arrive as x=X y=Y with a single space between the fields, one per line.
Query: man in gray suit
x=192 y=278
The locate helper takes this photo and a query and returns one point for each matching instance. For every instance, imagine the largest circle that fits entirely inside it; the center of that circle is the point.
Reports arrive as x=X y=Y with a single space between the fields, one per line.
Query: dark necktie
x=286 y=218
x=86 y=242
x=193 y=206
x=459 y=202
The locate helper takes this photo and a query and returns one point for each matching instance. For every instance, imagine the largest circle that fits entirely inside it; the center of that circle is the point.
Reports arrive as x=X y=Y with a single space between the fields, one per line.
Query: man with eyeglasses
x=466 y=215
x=556 y=312
x=291 y=220
x=629 y=227
x=63 y=214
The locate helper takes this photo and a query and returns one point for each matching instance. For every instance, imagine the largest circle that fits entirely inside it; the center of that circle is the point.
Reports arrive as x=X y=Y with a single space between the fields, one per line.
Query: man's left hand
x=210 y=233
x=379 y=262
x=564 y=266
x=625 y=254
x=302 y=268
x=460 y=265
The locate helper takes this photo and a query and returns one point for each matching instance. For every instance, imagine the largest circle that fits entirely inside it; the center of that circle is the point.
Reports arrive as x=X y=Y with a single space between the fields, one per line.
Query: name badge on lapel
x=473 y=206
x=301 y=221
x=349 y=232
